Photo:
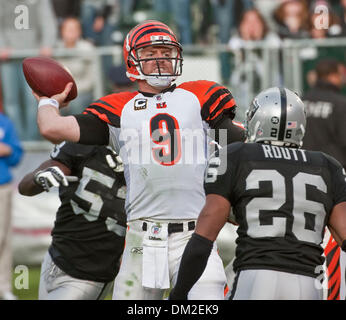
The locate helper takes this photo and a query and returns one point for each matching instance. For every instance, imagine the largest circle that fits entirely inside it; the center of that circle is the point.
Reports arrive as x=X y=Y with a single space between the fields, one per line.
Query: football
x=47 y=77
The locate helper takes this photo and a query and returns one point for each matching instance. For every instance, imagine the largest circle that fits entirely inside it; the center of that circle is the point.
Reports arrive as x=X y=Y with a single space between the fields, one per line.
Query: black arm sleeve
x=192 y=265
x=92 y=130
x=234 y=133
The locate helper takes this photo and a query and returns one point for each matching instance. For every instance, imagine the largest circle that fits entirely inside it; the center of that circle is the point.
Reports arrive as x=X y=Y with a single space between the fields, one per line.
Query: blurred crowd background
x=244 y=44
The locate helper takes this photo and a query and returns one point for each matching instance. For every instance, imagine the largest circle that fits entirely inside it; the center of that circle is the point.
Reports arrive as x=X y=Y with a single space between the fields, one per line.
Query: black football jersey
x=89 y=231
x=281 y=199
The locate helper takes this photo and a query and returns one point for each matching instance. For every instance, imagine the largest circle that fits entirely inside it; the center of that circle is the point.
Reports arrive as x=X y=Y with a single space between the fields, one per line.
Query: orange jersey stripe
x=332 y=253
x=228 y=106
x=100 y=115
x=335 y=278
x=335 y=293
x=213 y=98
x=216 y=103
x=202 y=89
x=225 y=291
x=330 y=245
x=116 y=101
x=334 y=261
x=109 y=108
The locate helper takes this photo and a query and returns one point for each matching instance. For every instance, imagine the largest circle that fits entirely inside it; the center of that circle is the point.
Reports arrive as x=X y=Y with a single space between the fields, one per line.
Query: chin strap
x=161 y=82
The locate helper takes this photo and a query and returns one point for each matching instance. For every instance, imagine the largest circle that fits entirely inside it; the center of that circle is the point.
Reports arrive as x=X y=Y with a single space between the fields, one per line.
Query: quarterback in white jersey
x=160 y=132
x=166 y=170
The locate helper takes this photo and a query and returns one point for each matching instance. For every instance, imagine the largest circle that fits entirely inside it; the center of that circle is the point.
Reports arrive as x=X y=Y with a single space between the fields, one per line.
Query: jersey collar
x=149 y=94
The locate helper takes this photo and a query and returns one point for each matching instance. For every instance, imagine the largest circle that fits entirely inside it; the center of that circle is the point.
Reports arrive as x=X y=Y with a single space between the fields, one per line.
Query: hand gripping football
x=47 y=77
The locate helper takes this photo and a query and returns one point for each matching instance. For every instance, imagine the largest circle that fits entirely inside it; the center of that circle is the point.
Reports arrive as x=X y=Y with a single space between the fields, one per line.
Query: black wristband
x=196 y=253
x=206 y=242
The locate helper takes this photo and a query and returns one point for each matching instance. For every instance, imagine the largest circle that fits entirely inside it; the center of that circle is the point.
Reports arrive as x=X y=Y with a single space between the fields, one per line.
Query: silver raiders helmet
x=276 y=116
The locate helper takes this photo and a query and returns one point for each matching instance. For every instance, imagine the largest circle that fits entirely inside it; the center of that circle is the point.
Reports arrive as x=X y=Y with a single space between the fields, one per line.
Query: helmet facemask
x=160 y=77
x=152 y=33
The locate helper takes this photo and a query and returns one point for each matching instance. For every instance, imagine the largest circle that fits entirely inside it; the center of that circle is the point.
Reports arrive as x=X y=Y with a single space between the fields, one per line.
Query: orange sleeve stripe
x=335 y=260
x=198 y=88
x=334 y=294
x=227 y=106
x=110 y=109
x=335 y=277
x=115 y=102
x=225 y=291
x=216 y=103
x=330 y=245
x=102 y=116
x=232 y=102
x=118 y=100
x=216 y=93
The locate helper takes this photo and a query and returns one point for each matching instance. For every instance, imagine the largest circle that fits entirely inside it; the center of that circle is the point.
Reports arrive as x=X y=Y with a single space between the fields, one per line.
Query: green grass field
x=30 y=291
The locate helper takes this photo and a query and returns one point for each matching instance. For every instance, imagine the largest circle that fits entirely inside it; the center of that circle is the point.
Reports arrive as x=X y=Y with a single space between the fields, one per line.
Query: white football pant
x=274 y=285
x=55 y=284
x=128 y=285
x=343 y=275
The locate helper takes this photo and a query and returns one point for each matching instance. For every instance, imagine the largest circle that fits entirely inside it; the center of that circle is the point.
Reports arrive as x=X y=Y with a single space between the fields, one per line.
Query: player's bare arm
x=213 y=216
x=52 y=125
x=28 y=186
x=337 y=224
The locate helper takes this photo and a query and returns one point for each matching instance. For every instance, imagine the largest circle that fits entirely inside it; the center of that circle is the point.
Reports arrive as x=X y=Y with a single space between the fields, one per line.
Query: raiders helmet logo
x=275 y=120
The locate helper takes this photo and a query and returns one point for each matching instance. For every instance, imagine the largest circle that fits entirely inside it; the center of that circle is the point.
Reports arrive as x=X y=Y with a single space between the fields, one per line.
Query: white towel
x=155 y=270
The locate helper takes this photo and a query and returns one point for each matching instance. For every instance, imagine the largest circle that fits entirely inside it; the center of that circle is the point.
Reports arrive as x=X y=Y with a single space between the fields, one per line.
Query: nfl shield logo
x=155 y=229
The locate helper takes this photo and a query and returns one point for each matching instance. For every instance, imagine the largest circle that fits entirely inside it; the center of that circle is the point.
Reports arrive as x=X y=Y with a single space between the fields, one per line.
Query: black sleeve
x=234 y=133
x=60 y=153
x=220 y=182
x=221 y=174
x=70 y=153
x=92 y=130
x=218 y=103
x=338 y=179
x=343 y=246
x=196 y=254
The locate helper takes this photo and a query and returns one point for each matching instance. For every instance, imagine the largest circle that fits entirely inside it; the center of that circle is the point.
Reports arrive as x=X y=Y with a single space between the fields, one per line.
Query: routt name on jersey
x=275 y=152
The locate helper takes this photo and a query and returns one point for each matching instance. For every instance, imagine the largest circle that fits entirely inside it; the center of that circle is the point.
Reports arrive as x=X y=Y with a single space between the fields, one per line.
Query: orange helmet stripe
x=148 y=28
